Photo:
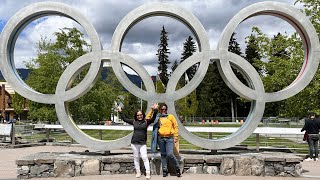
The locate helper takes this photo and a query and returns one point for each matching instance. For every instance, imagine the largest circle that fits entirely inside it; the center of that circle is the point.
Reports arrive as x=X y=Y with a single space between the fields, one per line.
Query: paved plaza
x=8 y=166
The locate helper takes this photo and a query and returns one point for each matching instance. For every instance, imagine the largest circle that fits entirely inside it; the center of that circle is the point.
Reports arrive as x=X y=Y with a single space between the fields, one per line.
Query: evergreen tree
x=189 y=47
x=174 y=66
x=213 y=95
x=234 y=46
x=163 y=57
x=238 y=104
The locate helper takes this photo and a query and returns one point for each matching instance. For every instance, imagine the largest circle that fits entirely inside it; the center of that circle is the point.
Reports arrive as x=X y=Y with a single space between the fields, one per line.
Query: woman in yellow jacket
x=167 y=137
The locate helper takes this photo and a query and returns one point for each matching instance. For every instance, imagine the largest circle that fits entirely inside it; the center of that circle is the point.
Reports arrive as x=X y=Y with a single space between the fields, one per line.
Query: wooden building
x=6 y=109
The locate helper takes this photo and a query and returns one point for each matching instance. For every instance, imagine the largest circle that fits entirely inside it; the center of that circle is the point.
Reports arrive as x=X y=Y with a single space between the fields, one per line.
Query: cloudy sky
x=142 y=40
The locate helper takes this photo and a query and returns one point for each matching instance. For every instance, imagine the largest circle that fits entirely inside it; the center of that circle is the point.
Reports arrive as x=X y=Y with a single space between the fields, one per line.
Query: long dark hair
x=163 y=104
x=143 y=115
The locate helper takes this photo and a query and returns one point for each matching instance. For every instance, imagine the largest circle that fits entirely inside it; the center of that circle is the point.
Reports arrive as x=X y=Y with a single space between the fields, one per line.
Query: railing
x=266 y=131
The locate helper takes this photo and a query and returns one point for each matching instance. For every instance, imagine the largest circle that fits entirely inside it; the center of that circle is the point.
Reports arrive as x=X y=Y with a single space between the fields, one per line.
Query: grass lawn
x=115 y=134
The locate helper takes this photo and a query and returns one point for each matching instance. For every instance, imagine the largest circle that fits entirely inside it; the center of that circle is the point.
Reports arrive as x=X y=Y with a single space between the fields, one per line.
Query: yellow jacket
x=168 y=126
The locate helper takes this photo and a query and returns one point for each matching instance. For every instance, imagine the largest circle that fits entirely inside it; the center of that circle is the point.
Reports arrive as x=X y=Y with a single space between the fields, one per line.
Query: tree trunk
x=236 y=109
x=232 y=111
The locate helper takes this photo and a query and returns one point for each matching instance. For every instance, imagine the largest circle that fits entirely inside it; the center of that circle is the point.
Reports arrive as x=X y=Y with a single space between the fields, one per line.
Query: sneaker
x=308 y=159
x=138 y=174
x=316 y=159
x=178 y=173
x=148 y=176
x=165 y=173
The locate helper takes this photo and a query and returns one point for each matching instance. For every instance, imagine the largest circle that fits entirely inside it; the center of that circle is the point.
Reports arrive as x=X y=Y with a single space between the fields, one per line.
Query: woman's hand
x=176 y=139
x=119 y=109
x=154 y=106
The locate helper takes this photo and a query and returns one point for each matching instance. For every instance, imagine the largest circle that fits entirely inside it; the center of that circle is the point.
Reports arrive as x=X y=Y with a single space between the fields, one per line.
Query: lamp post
x=141 y=98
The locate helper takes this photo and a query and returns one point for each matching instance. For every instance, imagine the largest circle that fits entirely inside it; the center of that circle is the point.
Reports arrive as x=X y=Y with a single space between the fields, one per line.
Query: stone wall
x=82 y=164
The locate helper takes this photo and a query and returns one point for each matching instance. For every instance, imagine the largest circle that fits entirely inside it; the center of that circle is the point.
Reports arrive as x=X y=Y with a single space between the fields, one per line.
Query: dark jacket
x=311 y=126
x=140 y=128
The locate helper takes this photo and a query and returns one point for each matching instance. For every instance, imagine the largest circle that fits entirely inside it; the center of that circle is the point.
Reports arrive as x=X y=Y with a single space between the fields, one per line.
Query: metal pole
x=48 y=135
x=257 y=142
x=13 y=136
x=100 y=134
x=3 y=102
x=141 y=98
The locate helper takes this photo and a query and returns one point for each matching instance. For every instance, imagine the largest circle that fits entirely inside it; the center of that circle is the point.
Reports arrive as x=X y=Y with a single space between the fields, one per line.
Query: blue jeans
x=313 y=145
x=166 y=150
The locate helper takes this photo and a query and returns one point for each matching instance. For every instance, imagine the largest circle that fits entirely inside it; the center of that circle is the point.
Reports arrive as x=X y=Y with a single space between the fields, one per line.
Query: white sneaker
x=308 y=159
x=148 y=176
x=317 y=159
x=138 y=174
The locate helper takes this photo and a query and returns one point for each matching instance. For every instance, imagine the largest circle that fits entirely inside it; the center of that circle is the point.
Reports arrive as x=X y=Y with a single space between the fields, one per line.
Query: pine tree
x=189 y=47
x=238 y=104
x=213 y=95
x=234 y=46
x=174 y=66
x=252 y=54
x=163 y=58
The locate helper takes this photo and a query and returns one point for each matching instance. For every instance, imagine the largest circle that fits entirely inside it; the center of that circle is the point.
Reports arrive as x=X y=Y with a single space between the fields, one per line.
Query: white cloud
x=142 y=40
x=26 y=44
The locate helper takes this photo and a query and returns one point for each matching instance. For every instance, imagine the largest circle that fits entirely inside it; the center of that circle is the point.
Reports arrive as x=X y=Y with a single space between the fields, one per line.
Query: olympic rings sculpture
x=255 y=92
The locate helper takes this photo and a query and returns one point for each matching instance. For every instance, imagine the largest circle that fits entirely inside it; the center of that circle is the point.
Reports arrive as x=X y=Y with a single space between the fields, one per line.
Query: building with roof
x=6 y=109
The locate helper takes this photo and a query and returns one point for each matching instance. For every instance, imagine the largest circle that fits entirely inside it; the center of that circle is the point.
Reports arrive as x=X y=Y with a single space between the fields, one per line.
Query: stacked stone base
x=80 y=164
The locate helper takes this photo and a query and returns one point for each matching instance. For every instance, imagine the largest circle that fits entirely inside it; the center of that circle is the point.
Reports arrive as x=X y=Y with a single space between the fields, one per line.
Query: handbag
x=305 y=136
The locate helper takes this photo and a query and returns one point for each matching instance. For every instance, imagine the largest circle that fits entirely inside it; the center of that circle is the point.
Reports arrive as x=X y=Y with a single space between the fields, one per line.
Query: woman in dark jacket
x=139 y=138
x=312 y=126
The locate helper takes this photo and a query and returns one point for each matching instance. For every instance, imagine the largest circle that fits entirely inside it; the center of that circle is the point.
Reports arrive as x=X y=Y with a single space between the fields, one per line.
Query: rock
x=23 y=162
x=213 y=159
x=181 y=163
x=44 y=161
x=227 y=166
x=278 y=167
x=257 y=167
x=77 y=170
x=289 y=168
x=275 y=159
x=195 y=170
x=91 y=167
x=269 y=171
x=111 y=167
x=78 y=162
x=155 y=166
x=35 y=170
x=46 y=175
x=22 y=177
x=193 y=159
x=23 y=170
x=64 y=168
x=211 y=170
x=106 y=172
x=107 y=159
x=243 y=166
x=122 y=159
x=294 y=159
x=297 y=170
